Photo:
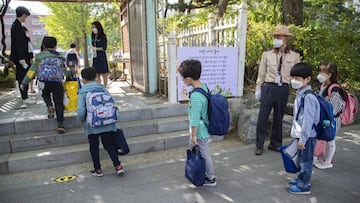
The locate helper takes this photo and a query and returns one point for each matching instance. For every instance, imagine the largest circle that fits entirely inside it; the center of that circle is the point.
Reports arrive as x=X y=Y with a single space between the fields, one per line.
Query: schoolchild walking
x=332 y=91
x=303 y=130
x=50 y=69
x=190 y=71
x=93 y=131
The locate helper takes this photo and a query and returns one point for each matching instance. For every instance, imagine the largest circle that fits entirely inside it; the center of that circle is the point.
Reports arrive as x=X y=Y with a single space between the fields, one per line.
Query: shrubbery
x=7 y=81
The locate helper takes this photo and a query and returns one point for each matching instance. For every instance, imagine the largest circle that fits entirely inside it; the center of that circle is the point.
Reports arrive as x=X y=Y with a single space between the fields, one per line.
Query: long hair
x=332 y=69
x=100 y=29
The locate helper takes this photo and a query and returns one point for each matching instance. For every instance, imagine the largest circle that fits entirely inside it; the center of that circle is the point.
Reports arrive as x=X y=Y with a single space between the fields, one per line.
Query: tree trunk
x=86 y=61
x=222 y=8
x=292 y=12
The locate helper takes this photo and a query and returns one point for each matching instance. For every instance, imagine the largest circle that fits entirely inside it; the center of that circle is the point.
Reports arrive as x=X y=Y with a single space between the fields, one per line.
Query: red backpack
x=351 y=106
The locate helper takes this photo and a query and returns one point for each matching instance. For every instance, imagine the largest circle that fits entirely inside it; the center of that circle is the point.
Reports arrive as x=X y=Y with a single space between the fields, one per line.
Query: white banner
x=219 y=69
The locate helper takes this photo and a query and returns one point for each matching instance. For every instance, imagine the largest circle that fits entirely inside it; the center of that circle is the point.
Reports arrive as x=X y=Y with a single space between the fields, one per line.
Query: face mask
x=321 y=78
x=95 y=31
x=277 y=43
x=296 y=84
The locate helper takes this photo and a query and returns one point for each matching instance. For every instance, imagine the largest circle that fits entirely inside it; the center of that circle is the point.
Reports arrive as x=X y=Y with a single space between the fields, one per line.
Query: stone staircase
x=32 y=143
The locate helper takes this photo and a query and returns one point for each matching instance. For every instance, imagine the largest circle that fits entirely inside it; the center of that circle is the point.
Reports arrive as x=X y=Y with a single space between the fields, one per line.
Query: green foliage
x=7 y=81
x=70 y=21
x=330 y=33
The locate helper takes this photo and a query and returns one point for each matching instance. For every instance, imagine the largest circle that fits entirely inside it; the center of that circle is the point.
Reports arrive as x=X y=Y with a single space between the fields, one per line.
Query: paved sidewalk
x=241 y=177
x=125 y=97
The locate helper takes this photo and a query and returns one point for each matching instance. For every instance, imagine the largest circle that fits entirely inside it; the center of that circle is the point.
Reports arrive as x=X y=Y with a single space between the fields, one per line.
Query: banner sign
x=219 y=69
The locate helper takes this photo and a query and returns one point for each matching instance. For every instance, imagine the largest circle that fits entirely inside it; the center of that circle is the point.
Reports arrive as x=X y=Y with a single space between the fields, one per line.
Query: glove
x=24 y=64
x=258 y=94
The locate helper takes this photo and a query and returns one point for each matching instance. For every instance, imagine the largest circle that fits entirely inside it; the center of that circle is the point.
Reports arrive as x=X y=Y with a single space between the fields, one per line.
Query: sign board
x=219 y=69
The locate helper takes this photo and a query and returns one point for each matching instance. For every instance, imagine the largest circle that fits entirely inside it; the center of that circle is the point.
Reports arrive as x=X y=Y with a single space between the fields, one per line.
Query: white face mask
x=296 y=84
x=277 y=43
x=321 y=78
x=95 y=31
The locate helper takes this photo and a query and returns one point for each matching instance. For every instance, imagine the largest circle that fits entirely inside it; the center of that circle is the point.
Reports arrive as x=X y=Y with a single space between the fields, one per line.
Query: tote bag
x=195 y=166
x=120 y=142
x=289 y=154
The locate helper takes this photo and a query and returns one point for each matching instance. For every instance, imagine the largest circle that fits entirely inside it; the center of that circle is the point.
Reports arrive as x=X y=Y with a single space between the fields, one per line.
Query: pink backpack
x=351 y=106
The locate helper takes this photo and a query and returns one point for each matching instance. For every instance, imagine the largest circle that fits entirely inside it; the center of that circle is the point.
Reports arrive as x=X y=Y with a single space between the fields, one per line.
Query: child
x=105 y=132
x=49 y=67
x=190 y=70
x=302 y=128
x=72 y=60
x=327 y=77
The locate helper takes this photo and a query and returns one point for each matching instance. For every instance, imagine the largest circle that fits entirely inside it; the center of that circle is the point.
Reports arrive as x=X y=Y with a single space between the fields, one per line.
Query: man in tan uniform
x=272 y=88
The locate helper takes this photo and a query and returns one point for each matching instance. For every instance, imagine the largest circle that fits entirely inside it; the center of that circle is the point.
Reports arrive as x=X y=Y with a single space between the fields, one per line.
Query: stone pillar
x=171 y=46
x=241 y=44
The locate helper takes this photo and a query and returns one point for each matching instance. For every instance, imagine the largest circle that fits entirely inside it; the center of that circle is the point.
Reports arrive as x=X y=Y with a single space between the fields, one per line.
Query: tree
x=292 y=12
x=69 y=23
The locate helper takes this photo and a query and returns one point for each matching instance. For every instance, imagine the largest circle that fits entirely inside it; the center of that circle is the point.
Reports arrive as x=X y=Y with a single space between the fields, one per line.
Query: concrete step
x=41 y=140
x=67 y=155
x=40 y=123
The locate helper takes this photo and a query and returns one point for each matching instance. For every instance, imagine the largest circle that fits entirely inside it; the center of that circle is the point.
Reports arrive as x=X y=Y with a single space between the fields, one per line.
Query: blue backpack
x=218 y=112
x=71 y=60
x=101 y=109
x=51 y=69
x=326 y=128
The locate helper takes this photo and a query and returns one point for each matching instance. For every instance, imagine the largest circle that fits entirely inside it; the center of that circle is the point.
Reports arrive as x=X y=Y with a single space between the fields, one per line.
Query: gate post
x=211 y=34
x=241 y=44
x=171 y=56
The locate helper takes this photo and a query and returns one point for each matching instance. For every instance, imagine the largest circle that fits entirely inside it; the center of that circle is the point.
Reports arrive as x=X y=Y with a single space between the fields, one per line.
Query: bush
x=7 y=81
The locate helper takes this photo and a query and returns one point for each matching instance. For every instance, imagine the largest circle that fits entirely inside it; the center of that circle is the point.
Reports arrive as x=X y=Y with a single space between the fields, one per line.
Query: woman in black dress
x=99 y=43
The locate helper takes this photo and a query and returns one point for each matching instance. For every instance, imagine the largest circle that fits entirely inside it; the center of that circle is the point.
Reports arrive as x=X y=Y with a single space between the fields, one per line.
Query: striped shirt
x=337 y=101
x=197 y=109
x=303 y=128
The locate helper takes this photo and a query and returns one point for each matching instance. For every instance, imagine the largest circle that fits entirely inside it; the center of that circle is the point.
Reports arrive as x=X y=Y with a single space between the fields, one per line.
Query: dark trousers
x=272 y=97
x=57 y=91
x=23 y=93
x=107 y=142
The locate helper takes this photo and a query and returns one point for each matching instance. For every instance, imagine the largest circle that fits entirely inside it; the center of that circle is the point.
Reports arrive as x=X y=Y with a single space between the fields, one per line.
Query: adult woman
x=99 y=43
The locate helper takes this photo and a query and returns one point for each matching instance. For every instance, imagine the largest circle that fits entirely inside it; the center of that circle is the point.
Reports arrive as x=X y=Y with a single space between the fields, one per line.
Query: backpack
x=101 y=109
x=51 y=69
x=351 y=105
x=218 y=112
x=326 y=128
x=71 y=60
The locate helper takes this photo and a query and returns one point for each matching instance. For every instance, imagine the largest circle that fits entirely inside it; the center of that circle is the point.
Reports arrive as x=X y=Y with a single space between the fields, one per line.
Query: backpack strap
x=202 y=91
x=302 y=101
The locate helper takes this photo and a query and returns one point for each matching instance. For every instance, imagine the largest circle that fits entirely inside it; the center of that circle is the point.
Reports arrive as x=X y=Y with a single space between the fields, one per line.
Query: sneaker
x=259 y=151
x=97 y=173
x=60 y=130
x=293 y=182
x=210 y=183
x=294 y=189
x=119 y=170
x=316 y=161
x=323 y=165
x=29 y=101
x=51 y=111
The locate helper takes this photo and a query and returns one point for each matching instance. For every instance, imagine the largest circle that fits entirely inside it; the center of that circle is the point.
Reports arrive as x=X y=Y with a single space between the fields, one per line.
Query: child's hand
x=194 y=140
x=301 y=146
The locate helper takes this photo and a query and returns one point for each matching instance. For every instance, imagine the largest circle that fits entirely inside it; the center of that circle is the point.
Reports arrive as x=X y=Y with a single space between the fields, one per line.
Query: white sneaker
x=317 y=161
x=323 y=165
x=29 y=101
